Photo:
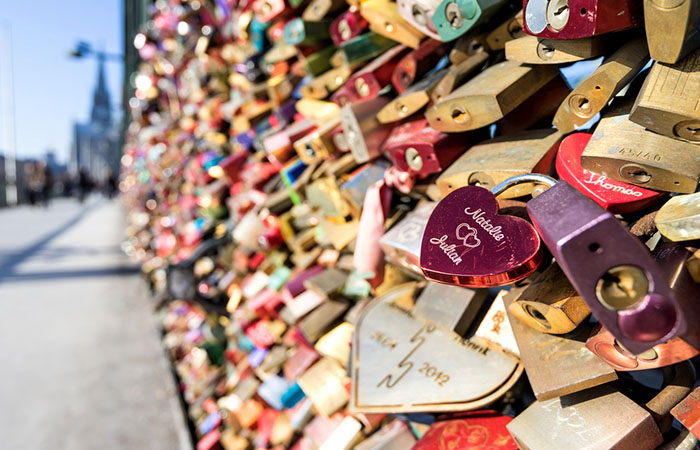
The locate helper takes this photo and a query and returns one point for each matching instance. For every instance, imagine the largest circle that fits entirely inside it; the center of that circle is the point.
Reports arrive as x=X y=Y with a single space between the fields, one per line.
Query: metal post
x=7 y=96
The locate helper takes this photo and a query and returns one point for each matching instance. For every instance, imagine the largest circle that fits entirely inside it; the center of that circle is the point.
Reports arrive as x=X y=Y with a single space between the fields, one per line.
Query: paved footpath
x=81 y=365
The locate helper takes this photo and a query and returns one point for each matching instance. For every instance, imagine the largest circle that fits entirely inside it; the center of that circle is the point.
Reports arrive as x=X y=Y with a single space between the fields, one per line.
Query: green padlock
x=453 y=18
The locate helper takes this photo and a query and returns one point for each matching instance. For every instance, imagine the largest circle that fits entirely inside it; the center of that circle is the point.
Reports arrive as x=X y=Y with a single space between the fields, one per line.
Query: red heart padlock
x=472 y=431
x=467 y=243
x=615 y=196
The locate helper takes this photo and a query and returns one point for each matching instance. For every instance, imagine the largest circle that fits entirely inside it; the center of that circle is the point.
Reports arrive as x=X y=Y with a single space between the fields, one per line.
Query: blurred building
x=96 y=146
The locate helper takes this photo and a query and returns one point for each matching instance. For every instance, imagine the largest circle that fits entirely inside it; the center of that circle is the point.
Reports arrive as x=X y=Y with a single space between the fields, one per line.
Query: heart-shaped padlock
x=615 y=196
x=467 y=243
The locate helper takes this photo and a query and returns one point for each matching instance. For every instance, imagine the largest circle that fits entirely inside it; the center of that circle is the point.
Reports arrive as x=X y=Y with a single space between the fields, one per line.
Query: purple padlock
x=610 y=268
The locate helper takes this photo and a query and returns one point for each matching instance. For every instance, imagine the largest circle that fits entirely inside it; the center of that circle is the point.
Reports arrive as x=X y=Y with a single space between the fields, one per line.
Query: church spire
x=101 y=108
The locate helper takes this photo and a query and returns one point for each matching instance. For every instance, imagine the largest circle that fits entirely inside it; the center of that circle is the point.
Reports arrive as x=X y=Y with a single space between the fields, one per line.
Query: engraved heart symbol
x=467 y=243
x=465 y=236
x=615 y=196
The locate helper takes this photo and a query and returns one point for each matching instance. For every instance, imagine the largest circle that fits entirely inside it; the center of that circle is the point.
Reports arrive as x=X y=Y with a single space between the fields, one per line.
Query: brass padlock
x=673 y=28
x=402 y=243
x=534 y=50
x=510 y=29
x=457 y=73
x=550 y=304
x=668 y=100
x=622 y=150
x=602 y=417
x=496 y=160
x=384 y=18
x=594 y=93
x=556 y=365
x=412 y=99
x=489 y=96
x=361 y=129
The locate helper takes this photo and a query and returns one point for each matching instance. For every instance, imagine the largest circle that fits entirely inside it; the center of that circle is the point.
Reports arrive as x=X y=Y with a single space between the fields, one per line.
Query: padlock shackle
x=521 y=179
x=679 y=380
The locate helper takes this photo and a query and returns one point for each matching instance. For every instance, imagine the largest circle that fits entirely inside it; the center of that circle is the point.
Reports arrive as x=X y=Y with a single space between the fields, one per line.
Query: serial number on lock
x=641 y=154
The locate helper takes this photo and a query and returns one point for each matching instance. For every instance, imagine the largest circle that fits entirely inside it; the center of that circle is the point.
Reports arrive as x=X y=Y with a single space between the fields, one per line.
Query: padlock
x=469 y=431
x=361 y=129
x=555 y=365
x=318 y=144
x=679 y=218
x=667 y=102
x=453 y=18
x=450 y=307
x=318 y=9
x=615 y=196
x=419 y=14
x=356 y=183
x=301 y=32
x=366 y=83
x=324 y=384
x=624 y=287
x=468 y=45
x=534 y=50
x=347 y=25
x=365 y=47
x=328 y=82
x=489 y=96
x=416 y=148
x=384 y=18
x=576 y=19
x=457 y=73
x=319 y=111
x=583 y=420
x=467 y=243
x=402 y=368
x=412 y=99
x=550 y=304
x=319 y=62
x=321 y=319
x=512 y=28
x=686 y=412
x=496 y=160
x=594 y=93
x=266 y=10
x=672 y=29
x=417 y=63
x=622 y=150
x=606 y=347
x=344 y=436
x=402 y=243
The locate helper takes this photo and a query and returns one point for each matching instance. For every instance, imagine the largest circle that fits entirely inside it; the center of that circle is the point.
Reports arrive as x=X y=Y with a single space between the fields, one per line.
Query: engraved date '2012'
x=407 y=365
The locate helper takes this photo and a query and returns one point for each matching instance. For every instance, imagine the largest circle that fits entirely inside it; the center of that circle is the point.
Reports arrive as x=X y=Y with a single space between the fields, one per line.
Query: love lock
x=467 y=243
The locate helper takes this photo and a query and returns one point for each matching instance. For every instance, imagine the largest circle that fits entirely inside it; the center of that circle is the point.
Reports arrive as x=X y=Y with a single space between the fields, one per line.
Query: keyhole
x=693 y=130
x=389 y=27
x=557 y=14
x=405 y=78
x=459 y=114
x=581 y=106
x=453 y=15
x=635 y=173
x=413 y=159
x=622 y=287
x=545 y=50
x=538 y=316
x=419 y=15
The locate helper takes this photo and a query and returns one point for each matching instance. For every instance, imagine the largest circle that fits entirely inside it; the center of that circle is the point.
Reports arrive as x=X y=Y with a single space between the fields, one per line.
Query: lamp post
x=8 y=113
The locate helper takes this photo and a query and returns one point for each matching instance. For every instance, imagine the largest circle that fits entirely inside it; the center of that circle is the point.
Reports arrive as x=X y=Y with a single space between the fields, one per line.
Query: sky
x=52 y=90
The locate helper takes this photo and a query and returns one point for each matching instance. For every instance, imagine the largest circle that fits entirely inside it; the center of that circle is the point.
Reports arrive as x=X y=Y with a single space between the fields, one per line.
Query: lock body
x=576 y=19
x=362 y=130
x=453 y=18
x=412 y=100
x=594 y=93
x=417 y=63
x=489 y=96
x=419 y=13
x=470 y=431
x=615 y=196
x=673 y=29
x=347 y=25
x=534 y=50
x=667 y=102
x=402 y=363
x=619 y=280
x=625 y=151
x=556 y=365
x=402 y=243
x=498 y=159
x=384 y=18
x=416 y=148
